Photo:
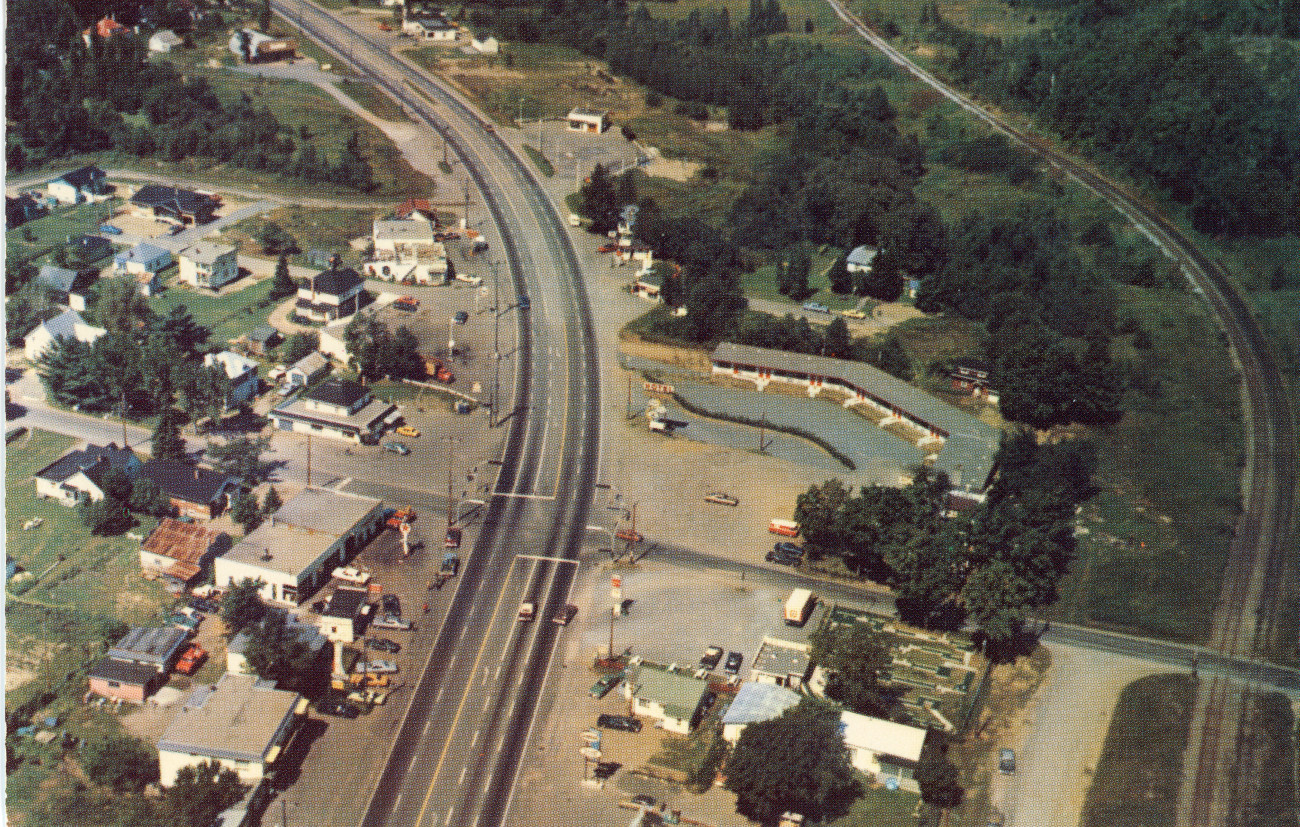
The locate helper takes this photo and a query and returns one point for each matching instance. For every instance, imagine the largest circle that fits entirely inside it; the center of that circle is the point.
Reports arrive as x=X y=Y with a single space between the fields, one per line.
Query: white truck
x=799 y=606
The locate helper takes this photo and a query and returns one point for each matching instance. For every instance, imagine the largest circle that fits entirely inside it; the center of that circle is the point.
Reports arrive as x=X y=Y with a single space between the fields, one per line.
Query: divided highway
x=457 y=753
x=1246 y=614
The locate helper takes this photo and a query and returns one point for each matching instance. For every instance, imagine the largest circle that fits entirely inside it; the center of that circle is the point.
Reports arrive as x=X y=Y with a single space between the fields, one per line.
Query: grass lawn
x=42 y=236
x=760 y=283
x=1141 y=766
x=373 y=100
x=228 y=317
x=315 y=229
x=878 y=807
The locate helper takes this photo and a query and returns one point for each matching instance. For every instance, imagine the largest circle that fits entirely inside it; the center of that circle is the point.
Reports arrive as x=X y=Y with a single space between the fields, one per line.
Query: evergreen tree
x=70 y=375
x=244 y=510
x=283 y=284
x=840 y=278
x=167 y=442
x=798 y=267
x=938 y=778
x=837 y=338
x=107 y=516
x=272 y=502
x=599 y=201
x=181 y=330
x=240 y=457
x=148 y=498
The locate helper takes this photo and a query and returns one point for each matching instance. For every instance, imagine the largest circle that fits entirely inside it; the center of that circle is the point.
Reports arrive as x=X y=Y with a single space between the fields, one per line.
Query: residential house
x=240 y=371
x=430 y=26
x=883 y=748
x=782 y=663
x=344 y=614
x=333 y=294
x=969 y=375
x=485 y=46
x=144 y=261
x=754 y=703
x=21 y=209
x=253 y=46
x=59 y=280
x=417 y=208
x=307 y=633
x=295 y=551
x=67 y=324
x=244 y=723
x=338 y=409
x=307 y=370
x=195 y=492
x=586 y=119
x=262 y=339
x=173 y=204
x=138 y=664
x=178 y=552
x=77 y=476
x=860 y=259
x=208 y=264
x=164 y=41
x=84 y=184
x=89 y=249
x=671 y=697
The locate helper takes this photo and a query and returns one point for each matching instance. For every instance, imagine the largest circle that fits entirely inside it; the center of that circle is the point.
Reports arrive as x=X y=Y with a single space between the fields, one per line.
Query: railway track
x=1247 y=610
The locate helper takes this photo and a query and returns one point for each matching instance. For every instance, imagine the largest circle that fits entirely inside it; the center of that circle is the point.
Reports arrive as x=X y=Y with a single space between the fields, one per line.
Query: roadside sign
x=616 y=581
x=655 y=387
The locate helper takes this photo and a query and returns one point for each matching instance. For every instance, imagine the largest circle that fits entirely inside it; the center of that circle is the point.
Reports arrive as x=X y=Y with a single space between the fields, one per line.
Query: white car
x=376 y=666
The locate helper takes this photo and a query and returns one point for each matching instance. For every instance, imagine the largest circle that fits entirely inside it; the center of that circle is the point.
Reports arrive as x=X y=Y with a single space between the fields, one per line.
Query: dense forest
x=1164 y=91
x=65 y=96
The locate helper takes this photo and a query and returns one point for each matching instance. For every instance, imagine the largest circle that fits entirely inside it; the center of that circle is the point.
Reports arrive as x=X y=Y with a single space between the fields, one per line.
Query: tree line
x=993 y=567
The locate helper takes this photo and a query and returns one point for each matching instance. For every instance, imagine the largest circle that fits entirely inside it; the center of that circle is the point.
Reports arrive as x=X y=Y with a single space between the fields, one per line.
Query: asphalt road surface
x=457 y=753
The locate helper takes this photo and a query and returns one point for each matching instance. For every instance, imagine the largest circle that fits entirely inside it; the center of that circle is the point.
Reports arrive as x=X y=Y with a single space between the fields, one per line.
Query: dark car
x=712 y=657
x=523 y=302
x=565 y=615
x=391 y=604
x=626 y=723
x=784 y=559
x=601 y=688
x=338 y=709
x=643 y=800
x=732 y=666
x=461 y=317
x=383 y=644
x=1007 y=761
x=205 y=605
x=788 y=550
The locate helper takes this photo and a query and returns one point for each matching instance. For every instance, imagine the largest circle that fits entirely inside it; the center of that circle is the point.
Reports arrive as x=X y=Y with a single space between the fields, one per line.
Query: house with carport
x=243 y=722
x=295 y=551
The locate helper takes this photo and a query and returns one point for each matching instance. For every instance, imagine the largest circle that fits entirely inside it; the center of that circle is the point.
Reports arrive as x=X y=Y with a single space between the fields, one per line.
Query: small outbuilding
x=585 y=119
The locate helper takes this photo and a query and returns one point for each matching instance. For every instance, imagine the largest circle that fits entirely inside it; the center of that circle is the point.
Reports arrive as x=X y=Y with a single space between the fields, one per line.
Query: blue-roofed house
x=756 y=702
x=860 y=259
x=143 y=261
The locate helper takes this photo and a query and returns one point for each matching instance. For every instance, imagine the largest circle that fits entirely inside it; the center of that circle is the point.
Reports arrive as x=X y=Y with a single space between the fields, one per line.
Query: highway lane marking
x=486 y=704
x=427 y=724
x=474 y=740
x=450 y=810
x=442 y=757
x=463 y=770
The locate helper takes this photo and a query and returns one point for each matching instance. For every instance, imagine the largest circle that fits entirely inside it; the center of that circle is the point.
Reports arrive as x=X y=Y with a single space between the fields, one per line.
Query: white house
x=240 y=371
x=164 y=41
x=143 y=258
x=83 y=184
x=257 y=47
x=883 y=748
x=296 y=549
x=585 y=119
x=337 y=409
x=347 y=606
x=77 y=475
x=431 y=27
x=68 y=324
x=207 y=264
x=860 y=258
x=486 y=46
x=242 y=722
x=670 y=697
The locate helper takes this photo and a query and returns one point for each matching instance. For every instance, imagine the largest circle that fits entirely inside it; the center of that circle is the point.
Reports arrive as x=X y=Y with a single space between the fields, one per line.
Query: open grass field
x=1140 y=770
x=328 y=229
x=228 y=316
x=37 y=239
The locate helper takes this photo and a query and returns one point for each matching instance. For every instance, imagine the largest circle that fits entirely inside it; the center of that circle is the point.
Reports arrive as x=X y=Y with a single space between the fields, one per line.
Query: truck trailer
x=799 y=607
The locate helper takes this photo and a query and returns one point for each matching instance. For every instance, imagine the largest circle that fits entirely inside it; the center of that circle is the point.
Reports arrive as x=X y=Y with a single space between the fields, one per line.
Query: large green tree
x=242 y=605
x=70 y=374
x=121 y=307
x=853 y=657
x=121 y=762
x=201 y=793
x=276 y=653
x=167 y=441
x=283 y=284
x=240 y=456
x=795 y=762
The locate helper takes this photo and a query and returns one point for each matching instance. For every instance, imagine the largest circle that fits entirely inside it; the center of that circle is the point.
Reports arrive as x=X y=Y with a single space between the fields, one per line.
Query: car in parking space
x=601 y=688
x=397 y=448
x=461 y=317
x=719 y=498
x=732 y=666
x=816 y=307
x=338 y=709
x=376 y=667
x=1007 y=761
x=385 y=621
x=565 y=615
x=626 y=723
x=391 y=604
x=407 y=430
x=643 y=800
x=791 y=556
x=712 y=657
x=383 y=644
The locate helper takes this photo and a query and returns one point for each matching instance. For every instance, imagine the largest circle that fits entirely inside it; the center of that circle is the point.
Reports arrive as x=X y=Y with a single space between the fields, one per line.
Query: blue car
x=110 y=229
x=815 y=307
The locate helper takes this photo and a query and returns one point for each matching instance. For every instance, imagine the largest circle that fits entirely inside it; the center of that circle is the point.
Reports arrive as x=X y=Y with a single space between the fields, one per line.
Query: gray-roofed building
x=333 y=294
x=262 y=338
x=173 y=204
x=860 y=259
x=154 y=648
x=307 y=369
x=781 y=663
x=208 y=264
x=670 y=697
x=338 y=409
x=296 y=549
x=755 y=702
x=243 y=722
x=67 y=324
x=120 y=680
x=79 y=185
x=58 y=279
x=78 y=475
x=962 y=445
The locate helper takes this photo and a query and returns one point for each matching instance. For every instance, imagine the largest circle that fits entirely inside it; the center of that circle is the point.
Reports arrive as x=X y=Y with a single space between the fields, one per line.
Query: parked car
x=565 y=615
x=390 y=622
x=626 y=723
x=205 y=604
x=461 y=317
x=407 y=430
x=784 y=558
x=377 y=667
x=601 y=688
x=712 y=657
x=523 y=302
x=397 y=448
x=338 y=708
x=527 y=610
x=732 y=666
x=1007 y=761
x=453 y=538
x=853 y=313
x=719 y=498
x=643 y=800
x=391 y=604
x=383 y=644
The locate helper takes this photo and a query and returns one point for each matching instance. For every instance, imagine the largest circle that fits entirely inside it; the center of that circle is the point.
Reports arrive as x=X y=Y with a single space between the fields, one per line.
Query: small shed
x=584 y=119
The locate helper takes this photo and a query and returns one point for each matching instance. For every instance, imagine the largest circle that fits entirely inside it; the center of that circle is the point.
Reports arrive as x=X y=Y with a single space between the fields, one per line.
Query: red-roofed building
x=178 y=551
x=411 y=206
x=105 y=28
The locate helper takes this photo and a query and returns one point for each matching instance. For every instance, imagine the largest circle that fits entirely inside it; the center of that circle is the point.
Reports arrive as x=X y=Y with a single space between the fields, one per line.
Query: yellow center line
x=468 y=687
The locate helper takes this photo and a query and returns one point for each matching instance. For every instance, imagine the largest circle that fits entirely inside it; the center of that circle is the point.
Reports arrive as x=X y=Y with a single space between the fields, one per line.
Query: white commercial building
x=883 y=748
